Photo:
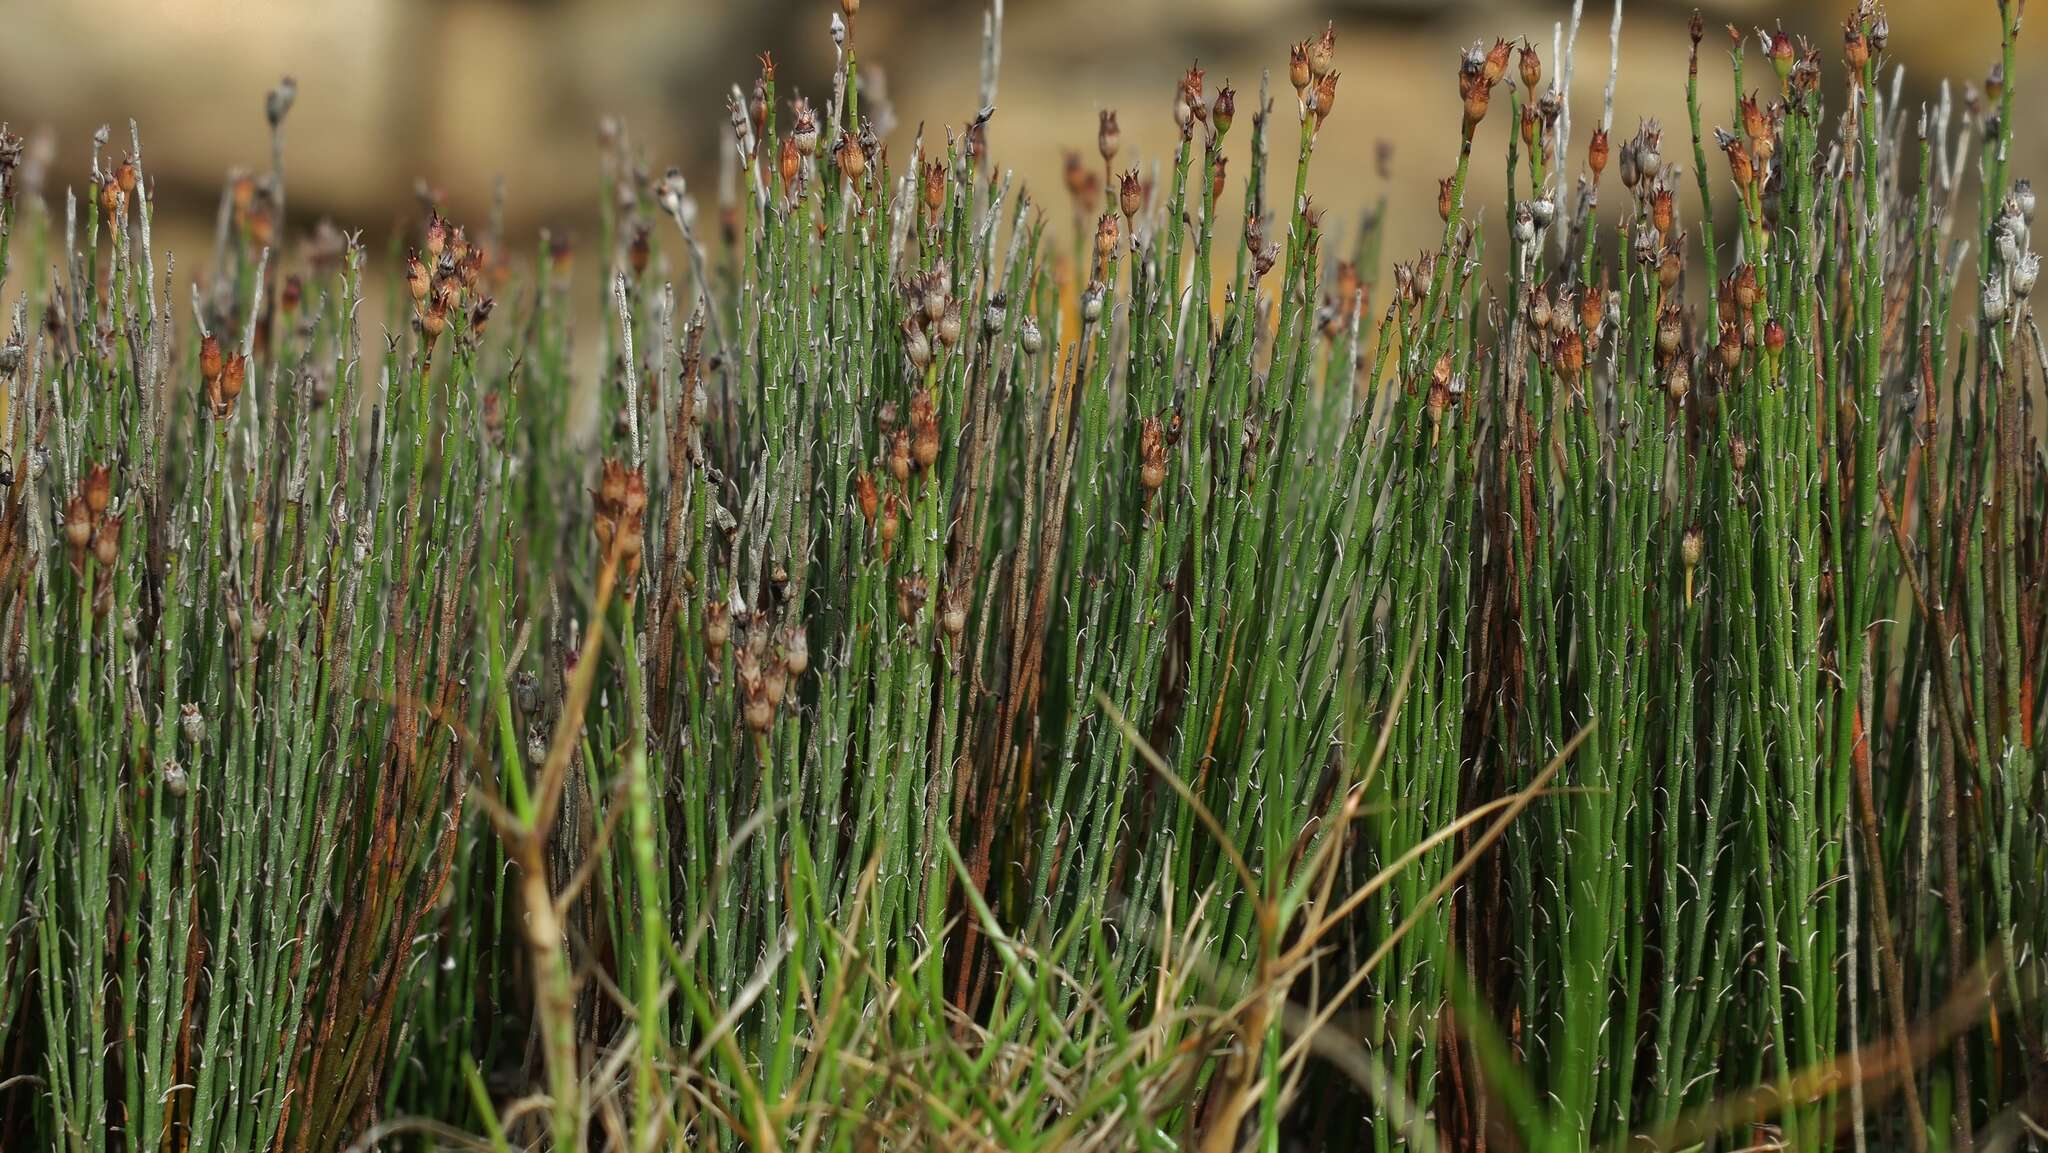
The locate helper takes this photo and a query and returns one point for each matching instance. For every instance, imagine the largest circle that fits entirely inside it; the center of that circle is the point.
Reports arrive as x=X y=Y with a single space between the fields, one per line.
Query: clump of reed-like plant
x=975 y=687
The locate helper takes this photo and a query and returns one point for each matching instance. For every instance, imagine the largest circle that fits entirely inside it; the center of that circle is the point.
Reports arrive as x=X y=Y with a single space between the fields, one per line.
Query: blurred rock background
x=458 y=93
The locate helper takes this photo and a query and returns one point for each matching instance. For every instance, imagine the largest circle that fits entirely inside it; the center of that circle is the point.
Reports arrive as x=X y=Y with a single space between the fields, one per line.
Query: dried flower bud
x=1730 y=344
x=1692 y=547
x=1223 y=110
x=1596 y=153
x=173 y=776
x=1781 y=54
x=1738 y=453
x=1091 y=301
x=1028 y=336
x=2025 y=271
x=899 y=455
x=1570 y=355
x=1660 y=210
x=191 y=723
x=1532 y=68
x=1539 y=310
x=1108 y=137
x=851 y=156
x=1855 y=49
x=866 y=495
x=1445 y=192
x=1130 y=193
x=1298 y=73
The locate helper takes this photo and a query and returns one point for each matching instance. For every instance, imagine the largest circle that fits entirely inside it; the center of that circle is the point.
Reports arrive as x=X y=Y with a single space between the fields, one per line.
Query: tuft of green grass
x=978 y=687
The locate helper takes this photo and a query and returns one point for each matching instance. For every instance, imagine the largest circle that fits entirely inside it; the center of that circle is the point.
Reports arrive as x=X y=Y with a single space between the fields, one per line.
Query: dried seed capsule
x=1151 y=457
x=899 y=455
x=191 y=723
x=867 y=497
x=887 y=527
x=1106 y=235
x=1298 y=73
x=1677 y=380
x=953 y=612
x=1730 y=344
x=911 y=592
x=106 y=542
x=1326 y=96
x=796 y=650
x=717 y=627
x=949 y=325
x=173 y=776
x=924 y=429
x=1322 y=52
x=1532 y=68
x=1692 y=548
x=1445 y=198
x=1108 y=137
x=77 y=525
x=917 y=347
x=1130 y=193
x=1091 y=302
x=1028 y=336
x=1596 y=153
x=98 y=488
x=1224 y=110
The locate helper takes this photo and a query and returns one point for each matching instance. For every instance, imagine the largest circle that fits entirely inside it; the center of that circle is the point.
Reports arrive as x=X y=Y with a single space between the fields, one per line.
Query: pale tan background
x=460 y=92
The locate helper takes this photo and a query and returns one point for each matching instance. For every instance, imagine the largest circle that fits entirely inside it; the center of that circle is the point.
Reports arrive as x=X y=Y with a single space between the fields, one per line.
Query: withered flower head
x=1130 y=193
x=1532 y=68
x=1108 y=137
x=1224 y=109
x=803 y=129
x=924 y=429
x=1106 y=235
x=1298 y=72
x=1596 y=153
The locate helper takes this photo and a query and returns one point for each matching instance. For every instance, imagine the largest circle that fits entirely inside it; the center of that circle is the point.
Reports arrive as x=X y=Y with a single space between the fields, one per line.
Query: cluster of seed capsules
x=445 y=276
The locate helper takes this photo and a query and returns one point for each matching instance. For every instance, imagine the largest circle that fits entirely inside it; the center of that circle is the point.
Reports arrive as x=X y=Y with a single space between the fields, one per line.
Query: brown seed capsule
x=1326 y=96
x=232 y=376
x=1855 y=49
x=1297 y=68
x=756 y=710
x=1739 y=164
x=917 y=347
x=1130 y=193
x=911 y=592
x=1151 y=457
x=953 y=612
x=1219 y=178
x=124 y=176
x=1670 y=331
x=1592 y=309
x=796 y=650
x=1532 y=68
x=106 y=542
x=899 y=455
x=210 y=359
x=1108 y=137
x=1738 y=453
x=790 y=163
x=1745 y=287
x=98 y=488
x=1677 y=380
x=1660 y=210
x=886 y=528
x=803 y=129
x=1438 y=400
x=1106 y=235
x=1224 y=109
x=1596 y=153
x=924 y=429
x=436 y=236
x=112 y=200
x=866 y=496
x=1476 y=100
x=639 y=250
x=1692 y=548
x=717 y=627
x=1730 y=345
x=1570 y=355
x=1444 y=192
x=1322 y=52
x=77 y=524
x=851 y=156
x=1529 y=127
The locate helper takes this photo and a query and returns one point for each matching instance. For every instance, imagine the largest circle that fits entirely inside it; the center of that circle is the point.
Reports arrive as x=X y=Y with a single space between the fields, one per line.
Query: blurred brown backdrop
x=461 y=92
